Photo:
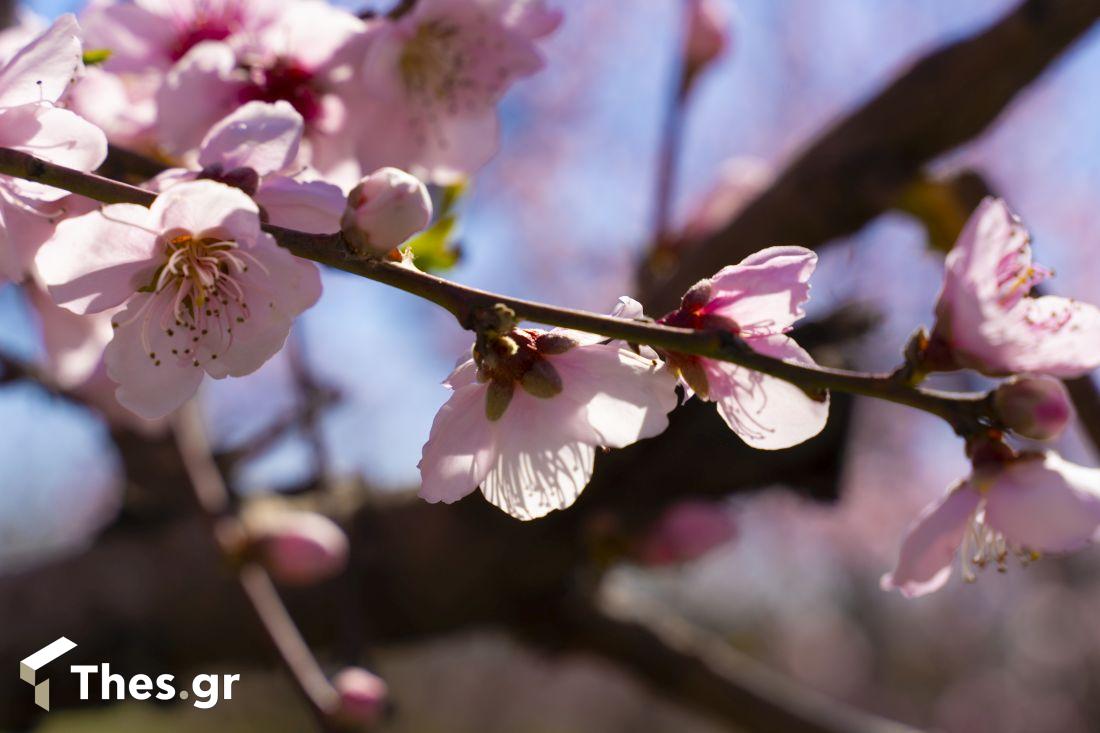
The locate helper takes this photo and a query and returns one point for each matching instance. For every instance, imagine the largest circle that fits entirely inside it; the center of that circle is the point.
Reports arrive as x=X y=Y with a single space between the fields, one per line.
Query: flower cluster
x=297 y=115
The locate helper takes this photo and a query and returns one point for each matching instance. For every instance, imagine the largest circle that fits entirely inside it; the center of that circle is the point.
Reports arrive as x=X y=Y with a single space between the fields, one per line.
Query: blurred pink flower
x=1038 y=408
x=1025 y=506
x=526 y=418
x=295 y=56
x=364 y=697
x=432 y=78
x=205 y=290
x=296 y=547
x=686 y=531
x=31 y=84
x=256 y=150
x=986 y=319
x=384 y=210
x=759 y=300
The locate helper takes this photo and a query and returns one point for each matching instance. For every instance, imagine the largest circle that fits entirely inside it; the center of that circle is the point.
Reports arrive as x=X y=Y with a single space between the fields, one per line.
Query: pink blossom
x=686 y=531
x=364 y=697
x=1034 y=407
x=759 y=300
x=527 y=415
x=384 y=210
x=986 y=318
x=256 y=149
x=707 y=33
x=432 y=78
x=296 y=547
x=32 y=82
x=296 y=57
x=1024 y=506
x=205 y=290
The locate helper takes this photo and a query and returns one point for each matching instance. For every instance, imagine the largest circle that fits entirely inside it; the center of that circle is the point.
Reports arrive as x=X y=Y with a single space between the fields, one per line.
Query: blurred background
x=563 y=214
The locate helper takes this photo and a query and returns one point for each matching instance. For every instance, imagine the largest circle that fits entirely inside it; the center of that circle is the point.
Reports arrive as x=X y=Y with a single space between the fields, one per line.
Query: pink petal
x=146 y=387
x=931 y=543
x=626 y=397
x=260 y=136
x=1048 y=335
x=43 y=70
x=765 y=292
x=74 y=343
x=459 y=448
x=207 y=208
x=1046 y=504
x=97 y=261
x=536 y=468
x=53 y=134
x=309 y=206
x=201 y=89
x=22 y=232
x=311 y=32
x=139 y=40
x=766 y=412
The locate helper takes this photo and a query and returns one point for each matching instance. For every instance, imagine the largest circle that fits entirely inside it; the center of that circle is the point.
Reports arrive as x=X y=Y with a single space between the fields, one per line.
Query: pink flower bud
x=1034 y=407
x=686 y=531
x=384 y=210
x=363 y=697
x=297 y=548
x=707 y=33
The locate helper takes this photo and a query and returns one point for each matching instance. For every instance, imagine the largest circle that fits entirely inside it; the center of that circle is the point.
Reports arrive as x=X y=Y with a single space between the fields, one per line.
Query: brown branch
x=688 y=666
x=268 y=607
x=965 y=412
x=857 y=169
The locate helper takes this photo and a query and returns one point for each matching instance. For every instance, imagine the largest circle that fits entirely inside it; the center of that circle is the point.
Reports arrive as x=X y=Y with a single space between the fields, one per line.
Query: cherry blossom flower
x=32 y=82
x=686 y=531
x=526 y=416
x=364 y=697
x=759 y=300
x=431 y=80
x=1025 y=506
x=296 y=56
x=296 y=547
x=987 y=320
x=384 y=210
x=204 y=290
x=256 y=149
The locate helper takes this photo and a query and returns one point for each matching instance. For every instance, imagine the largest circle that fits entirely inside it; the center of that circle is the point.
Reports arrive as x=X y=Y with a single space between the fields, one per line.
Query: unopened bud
x=1033 y=407
x=707 y=33
x=363 y=698
x=296 y=547
x=384 y=210
x=541 y=380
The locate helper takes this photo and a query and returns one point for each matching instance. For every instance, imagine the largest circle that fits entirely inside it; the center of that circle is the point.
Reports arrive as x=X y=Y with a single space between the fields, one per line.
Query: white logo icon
x=28 y=669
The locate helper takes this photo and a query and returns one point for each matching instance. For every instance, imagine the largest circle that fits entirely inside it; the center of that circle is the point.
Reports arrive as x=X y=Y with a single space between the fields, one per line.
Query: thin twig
x=285 y=638
x=966 y=412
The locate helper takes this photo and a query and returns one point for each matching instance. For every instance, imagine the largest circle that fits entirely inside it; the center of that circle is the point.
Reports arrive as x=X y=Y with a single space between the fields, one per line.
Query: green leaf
x=96 y=56
x=435 y=249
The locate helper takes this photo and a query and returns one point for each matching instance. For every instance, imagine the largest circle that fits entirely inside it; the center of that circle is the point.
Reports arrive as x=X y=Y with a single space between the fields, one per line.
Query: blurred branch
x=705 y=673
x=13 y=369
x=214 y=500
x=857 y=169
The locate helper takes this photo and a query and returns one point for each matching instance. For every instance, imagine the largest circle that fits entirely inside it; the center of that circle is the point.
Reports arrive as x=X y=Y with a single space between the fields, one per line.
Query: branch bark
x=857 y=169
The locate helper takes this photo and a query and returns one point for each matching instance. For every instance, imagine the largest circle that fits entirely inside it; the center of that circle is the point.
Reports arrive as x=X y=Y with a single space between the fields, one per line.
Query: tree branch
x=966 y=412
x=857 y=169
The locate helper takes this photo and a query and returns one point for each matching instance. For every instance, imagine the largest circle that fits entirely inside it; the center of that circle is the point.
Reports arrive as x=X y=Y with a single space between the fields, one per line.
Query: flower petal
x=97 y=261
x=766 y=412
x=195 y=94
x=764 y=294
x=931 y=543
x=309 y=206
x=1047 y=504
x=260 y=136
x=53 y=134
x=44 y=68
x=459 y=449
x=207 y=208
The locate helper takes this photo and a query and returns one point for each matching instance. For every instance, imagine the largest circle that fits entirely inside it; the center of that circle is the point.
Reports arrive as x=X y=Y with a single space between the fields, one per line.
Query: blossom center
x=984 y=546
x=285 y=80
x=208 y=24
x=1016 y=276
